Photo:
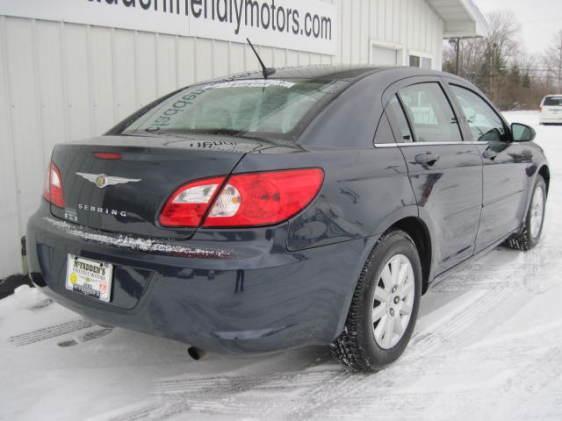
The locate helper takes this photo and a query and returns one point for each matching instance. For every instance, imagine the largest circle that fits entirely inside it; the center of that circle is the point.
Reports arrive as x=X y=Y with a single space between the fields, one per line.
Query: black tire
x=356 y=347
x=524 y=240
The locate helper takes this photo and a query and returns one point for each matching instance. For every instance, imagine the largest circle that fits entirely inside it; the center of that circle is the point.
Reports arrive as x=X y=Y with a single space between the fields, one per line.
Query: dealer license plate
x=89 y=277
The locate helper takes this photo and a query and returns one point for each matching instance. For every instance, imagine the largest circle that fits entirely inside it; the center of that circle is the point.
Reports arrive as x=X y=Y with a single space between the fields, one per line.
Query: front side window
x=240 y=107
x=483 y=121
x=430 y=114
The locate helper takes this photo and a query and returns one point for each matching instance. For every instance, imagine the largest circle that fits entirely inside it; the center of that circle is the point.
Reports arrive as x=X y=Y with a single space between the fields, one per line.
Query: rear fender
x=370 y=243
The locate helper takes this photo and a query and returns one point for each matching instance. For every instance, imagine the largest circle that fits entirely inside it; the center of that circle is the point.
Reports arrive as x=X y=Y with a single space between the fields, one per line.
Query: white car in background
x=551 y=110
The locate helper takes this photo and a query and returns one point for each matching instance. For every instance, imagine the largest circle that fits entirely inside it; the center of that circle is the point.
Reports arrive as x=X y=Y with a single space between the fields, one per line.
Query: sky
x=540 y=20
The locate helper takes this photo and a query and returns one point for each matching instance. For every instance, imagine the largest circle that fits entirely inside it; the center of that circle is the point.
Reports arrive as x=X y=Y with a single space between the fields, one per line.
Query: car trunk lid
x=120 y=183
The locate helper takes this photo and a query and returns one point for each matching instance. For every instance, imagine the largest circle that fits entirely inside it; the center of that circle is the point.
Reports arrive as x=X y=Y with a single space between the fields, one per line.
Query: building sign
x=294 y=24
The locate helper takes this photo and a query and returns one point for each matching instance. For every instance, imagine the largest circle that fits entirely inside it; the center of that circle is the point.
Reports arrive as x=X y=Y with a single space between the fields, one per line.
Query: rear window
x=553 y=101
x=241 y=107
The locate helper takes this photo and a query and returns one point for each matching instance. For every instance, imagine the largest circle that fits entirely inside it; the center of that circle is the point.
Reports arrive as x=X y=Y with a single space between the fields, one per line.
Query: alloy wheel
x=393 y=301
x=537 y=212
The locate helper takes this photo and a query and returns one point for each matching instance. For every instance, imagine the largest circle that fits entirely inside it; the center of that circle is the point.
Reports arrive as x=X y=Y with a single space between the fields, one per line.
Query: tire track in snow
x=501 y=291
x=317 y=390
x=229 y=395
x=86 y=337
x=452 y=332
x=148 y=411
x=471 y=370
x=523 y=382
x=319 y=393
x=49 y=332
x=305 y=394
x=452 y=329
x=239 y=394
x=427 y=359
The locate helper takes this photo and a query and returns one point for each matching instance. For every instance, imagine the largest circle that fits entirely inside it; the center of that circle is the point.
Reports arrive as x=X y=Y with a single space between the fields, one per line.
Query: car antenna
x=267 y=71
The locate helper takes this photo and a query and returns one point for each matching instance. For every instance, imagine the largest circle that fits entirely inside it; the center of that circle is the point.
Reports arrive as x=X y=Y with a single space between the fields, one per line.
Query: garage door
x=384 y=56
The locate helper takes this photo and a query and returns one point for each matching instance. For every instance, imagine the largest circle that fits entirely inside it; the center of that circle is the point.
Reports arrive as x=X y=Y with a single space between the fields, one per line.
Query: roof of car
x=333 y=72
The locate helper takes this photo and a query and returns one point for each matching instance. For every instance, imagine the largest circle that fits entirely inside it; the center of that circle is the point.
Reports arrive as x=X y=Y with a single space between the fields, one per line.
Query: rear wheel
x=531 y=233
x=384 y=307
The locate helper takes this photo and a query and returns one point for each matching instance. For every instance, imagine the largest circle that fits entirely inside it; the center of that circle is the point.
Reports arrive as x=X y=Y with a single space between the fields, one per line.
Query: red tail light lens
x=246 y=200
x=54 y=192
x=267 y=198
x=187 y=206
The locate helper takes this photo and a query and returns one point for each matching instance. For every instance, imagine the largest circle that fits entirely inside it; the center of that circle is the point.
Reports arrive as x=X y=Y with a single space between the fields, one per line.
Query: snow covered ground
x=488 y=345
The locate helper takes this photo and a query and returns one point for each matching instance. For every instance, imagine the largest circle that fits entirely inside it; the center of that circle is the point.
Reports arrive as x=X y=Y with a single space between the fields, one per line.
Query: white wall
x=61 y=81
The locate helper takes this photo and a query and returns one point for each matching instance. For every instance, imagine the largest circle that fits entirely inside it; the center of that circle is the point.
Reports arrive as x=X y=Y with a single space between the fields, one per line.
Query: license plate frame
x=89 y=277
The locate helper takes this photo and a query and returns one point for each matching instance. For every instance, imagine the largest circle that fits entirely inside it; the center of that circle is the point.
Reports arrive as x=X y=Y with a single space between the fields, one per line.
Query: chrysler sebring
x=304 y=206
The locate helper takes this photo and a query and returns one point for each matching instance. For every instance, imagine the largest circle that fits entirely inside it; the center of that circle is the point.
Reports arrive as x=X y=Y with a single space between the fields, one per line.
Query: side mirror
x=522 y=133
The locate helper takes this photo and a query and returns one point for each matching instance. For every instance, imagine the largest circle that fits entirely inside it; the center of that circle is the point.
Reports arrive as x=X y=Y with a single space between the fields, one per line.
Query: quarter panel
x=363 y=190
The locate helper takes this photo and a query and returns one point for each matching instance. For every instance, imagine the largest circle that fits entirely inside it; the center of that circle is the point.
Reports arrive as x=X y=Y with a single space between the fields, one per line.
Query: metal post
x=458 y=52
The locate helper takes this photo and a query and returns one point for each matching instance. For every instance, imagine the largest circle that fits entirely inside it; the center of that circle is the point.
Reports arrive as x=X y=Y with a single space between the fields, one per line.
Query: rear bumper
x=225 y=295
x=551 y=119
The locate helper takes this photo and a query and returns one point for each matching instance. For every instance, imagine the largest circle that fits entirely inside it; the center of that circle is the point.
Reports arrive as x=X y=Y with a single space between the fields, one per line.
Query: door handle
x=427 y=159
x=490 y=154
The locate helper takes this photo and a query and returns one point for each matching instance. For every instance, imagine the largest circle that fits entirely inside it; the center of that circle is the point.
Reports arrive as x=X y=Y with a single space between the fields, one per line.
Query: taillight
x=53 y=186
x=187 y=206
x=267 y=198
x=244 y=200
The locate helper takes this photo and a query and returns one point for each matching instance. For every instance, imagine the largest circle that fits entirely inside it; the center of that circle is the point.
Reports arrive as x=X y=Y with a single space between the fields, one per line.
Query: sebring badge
x=102 y=180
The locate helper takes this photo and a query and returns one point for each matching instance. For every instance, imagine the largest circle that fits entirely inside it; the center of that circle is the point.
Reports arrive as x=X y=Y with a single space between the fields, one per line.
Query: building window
x=415 y=61
x=420 y=62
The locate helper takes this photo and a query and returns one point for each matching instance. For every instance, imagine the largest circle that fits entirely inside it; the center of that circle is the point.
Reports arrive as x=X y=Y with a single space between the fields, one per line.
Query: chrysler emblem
x=102 y=180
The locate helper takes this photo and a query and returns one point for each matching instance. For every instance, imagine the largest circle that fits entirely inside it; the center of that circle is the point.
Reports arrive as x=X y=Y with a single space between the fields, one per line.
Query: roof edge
x=467 y=22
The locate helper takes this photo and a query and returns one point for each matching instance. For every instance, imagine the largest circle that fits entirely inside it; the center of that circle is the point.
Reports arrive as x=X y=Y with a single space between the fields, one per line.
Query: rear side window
x=430 y=114
x=401 y=127
x=553 y=101
x=384 y=132
x=483 y=121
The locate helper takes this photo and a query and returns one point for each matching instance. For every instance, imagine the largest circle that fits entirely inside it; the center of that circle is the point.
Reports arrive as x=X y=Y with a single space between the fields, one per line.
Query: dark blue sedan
x=310 y=206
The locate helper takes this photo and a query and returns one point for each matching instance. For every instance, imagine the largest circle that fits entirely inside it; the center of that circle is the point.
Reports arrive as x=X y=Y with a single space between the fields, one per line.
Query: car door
x=505 y=162
x=445 y=172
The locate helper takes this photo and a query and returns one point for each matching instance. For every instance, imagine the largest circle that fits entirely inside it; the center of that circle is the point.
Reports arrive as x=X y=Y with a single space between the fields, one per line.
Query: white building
x=70 y=69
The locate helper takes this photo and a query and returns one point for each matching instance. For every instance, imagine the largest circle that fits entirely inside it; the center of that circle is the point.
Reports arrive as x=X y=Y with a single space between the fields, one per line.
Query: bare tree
x=498 y=66
x=503 y=32
x=485 y=61
x=553 y=61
